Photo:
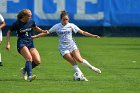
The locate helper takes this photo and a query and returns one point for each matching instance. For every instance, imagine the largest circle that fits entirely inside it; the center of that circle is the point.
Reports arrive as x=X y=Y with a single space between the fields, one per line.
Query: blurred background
x=109 y=18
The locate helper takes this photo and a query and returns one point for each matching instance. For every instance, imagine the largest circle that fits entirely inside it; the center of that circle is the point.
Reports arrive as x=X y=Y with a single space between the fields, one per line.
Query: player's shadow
x=48 y=79
x=7 y=80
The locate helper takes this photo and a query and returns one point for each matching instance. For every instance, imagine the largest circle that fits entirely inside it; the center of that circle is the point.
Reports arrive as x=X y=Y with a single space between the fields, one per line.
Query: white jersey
x=65 y=34
x=1 y=20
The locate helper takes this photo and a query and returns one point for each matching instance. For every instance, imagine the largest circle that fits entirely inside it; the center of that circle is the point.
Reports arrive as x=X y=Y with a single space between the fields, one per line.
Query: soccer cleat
x=23 y=72
x=1 y=64
x=85 y=79
x=96 y=70
x=31 y=78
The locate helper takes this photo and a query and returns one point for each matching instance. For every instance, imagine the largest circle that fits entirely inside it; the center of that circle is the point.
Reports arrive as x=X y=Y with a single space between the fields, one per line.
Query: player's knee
x=29 y=59
x=37 y=62
x=79 y=60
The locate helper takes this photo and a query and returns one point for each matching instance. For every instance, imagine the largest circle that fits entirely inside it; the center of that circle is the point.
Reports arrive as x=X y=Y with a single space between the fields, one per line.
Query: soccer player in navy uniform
x=24 y=26
x=67 y=45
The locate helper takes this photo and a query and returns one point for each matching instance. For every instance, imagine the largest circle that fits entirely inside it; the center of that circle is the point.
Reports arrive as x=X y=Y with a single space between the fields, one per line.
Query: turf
x=118 y=58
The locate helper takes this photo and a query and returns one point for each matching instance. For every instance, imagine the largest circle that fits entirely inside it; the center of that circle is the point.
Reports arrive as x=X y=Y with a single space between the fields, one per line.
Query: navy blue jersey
x=24 y=33
x=24 y=30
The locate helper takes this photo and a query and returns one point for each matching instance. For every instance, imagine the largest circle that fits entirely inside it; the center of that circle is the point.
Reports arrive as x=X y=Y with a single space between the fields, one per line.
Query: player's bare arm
x=39 y=30
x=40 y=35
x=85 y=33
x=3 y=24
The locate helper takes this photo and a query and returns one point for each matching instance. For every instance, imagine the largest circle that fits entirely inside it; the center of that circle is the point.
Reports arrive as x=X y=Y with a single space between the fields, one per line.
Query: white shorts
x=67 y=50
x=0 y=36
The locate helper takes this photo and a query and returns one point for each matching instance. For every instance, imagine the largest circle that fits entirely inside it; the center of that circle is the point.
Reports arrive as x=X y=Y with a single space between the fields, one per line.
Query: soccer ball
x=78 y=76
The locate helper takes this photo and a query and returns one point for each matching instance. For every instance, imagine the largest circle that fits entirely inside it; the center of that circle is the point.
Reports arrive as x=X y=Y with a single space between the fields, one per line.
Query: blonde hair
x=23 y=13
x=63 y=13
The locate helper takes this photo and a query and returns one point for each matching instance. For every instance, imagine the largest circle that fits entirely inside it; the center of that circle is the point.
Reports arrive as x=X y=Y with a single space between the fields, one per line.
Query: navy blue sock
x=28 y=68
x=34 y=64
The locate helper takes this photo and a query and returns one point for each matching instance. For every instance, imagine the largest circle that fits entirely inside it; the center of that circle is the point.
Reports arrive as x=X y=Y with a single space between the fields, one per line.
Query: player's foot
x=31 y=78
x=96 y=70
x=23 y=72
x=1 y=64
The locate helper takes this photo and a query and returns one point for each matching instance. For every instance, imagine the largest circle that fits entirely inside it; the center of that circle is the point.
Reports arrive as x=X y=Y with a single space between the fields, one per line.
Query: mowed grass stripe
x=118 y=58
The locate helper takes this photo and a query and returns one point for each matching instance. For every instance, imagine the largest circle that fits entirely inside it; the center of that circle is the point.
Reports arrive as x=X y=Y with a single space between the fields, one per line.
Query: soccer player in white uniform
x=2 y=25
x=67 y=45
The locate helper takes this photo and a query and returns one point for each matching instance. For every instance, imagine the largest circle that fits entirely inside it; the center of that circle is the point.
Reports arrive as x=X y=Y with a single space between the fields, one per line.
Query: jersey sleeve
x=34 y=24
x=1 y=18
x=75 y=28
x=53 y=29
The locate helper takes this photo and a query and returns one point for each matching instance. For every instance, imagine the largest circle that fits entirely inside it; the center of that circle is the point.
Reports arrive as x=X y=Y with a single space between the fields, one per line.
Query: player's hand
x=8 y=47
x=33 y=37
x=45 y=31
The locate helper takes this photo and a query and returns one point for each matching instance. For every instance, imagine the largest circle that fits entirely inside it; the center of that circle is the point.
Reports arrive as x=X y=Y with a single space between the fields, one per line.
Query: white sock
x=76 y=68
x=0 y=57
x=86 y=63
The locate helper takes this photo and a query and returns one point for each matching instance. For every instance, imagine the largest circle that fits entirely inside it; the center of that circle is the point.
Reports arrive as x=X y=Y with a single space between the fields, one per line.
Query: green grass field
x=118 y=58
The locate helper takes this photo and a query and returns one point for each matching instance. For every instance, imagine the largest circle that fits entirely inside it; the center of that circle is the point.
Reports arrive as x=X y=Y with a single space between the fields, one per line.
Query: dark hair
x=63 y=13
x=22 y=13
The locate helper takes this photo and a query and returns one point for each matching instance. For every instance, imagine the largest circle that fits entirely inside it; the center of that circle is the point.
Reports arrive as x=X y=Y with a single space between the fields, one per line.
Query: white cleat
x=23 y=72
x=85 y=79
x=31 y=78
x=96 y=70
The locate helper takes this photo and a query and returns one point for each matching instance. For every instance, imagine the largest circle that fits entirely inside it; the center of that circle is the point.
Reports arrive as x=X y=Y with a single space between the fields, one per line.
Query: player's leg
x=0 y=60
x=35 y=57
x=0 y=43
x=77 y=56
x=67 y=56
x=24 y=51
x=72 y=61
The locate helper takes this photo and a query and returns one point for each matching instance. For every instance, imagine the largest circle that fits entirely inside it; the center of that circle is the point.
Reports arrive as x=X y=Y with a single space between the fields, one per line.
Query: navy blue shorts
x=28 y=42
